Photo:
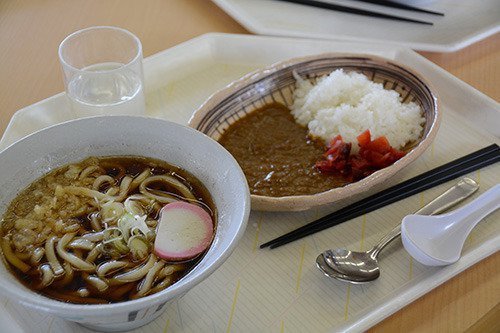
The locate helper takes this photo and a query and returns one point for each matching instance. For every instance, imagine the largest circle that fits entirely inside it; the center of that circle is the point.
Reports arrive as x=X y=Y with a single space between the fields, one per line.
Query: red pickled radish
x=184 y=231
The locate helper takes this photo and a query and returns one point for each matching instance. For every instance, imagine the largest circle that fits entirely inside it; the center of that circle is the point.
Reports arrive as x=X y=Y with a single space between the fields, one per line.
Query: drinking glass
x=102 y=69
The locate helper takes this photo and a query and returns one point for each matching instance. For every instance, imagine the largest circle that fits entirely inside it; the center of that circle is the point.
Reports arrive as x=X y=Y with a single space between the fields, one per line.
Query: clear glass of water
x=102 y=68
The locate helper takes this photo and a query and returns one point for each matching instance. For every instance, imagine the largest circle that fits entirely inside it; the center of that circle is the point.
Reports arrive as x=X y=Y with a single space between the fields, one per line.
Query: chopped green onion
x=139 y=247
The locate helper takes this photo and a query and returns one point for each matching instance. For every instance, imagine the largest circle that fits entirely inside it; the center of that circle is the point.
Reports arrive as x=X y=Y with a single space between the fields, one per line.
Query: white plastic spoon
x=438 y=240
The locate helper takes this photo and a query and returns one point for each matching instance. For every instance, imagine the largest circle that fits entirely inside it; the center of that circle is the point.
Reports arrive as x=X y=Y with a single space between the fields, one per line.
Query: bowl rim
x=49 y=305
x=304 y=202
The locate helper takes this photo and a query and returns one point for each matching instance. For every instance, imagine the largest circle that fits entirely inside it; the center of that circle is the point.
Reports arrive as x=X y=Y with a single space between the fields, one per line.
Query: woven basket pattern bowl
x=276 y=83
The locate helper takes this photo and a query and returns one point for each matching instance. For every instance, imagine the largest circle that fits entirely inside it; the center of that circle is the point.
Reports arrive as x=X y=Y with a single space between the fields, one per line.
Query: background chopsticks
x=351 y=10
x=459 y=167
x=391 y=4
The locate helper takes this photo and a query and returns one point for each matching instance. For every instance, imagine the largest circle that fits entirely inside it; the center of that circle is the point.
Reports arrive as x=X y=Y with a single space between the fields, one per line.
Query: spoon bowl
x=329 y=271
x=358 y=267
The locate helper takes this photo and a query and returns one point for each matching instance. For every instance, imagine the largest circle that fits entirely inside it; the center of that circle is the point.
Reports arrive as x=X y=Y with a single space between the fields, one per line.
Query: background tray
x=281 y=290
x=465 y=22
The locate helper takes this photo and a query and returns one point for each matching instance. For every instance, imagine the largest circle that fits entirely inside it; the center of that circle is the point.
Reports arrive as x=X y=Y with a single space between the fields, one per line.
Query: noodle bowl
x=29 y=159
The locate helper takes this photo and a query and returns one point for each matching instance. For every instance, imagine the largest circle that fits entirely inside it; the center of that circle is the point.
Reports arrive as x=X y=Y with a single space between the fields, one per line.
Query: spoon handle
x=465 y=218
x=459 y=192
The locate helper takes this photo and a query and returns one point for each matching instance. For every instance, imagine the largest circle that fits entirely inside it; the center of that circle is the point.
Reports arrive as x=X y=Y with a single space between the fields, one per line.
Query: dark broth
x=116 y=167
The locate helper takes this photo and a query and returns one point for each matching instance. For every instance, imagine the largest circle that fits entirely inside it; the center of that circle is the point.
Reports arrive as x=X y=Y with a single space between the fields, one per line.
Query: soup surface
x=276 y=154
x=84 y=233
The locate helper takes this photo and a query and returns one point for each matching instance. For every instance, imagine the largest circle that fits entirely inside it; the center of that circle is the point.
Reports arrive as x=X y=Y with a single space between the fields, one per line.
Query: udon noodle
x=84 y=233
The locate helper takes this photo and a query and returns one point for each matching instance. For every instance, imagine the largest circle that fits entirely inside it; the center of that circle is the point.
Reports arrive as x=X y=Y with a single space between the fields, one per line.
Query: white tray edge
x=374 y=314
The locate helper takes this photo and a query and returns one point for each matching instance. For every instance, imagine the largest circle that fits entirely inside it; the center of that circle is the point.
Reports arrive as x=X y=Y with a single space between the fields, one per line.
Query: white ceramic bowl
x=39 y=153
x=276 y=83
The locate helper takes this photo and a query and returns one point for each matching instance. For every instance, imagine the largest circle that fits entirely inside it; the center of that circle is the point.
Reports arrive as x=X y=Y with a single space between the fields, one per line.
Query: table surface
x=30 y=32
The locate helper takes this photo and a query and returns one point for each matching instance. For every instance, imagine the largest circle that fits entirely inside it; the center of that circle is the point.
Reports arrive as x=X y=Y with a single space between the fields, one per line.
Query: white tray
x=465 y=22
x=281 y=290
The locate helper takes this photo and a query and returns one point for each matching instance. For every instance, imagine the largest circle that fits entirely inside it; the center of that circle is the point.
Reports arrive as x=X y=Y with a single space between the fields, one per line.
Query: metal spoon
x=361 y=267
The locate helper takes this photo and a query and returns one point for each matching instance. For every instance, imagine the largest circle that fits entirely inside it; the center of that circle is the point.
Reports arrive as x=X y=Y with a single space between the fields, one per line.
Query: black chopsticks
x=398 y=5
x=459 y=167
x=351 y=10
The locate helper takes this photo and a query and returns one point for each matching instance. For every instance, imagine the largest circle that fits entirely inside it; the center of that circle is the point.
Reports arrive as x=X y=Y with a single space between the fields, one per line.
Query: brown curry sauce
x=277 y=155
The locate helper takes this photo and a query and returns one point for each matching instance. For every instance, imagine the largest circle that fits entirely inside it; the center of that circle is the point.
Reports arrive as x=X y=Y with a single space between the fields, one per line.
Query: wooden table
x=30 y=32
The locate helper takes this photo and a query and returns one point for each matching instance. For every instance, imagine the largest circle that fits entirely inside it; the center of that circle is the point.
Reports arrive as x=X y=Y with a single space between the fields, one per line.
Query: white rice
x=349 y=103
